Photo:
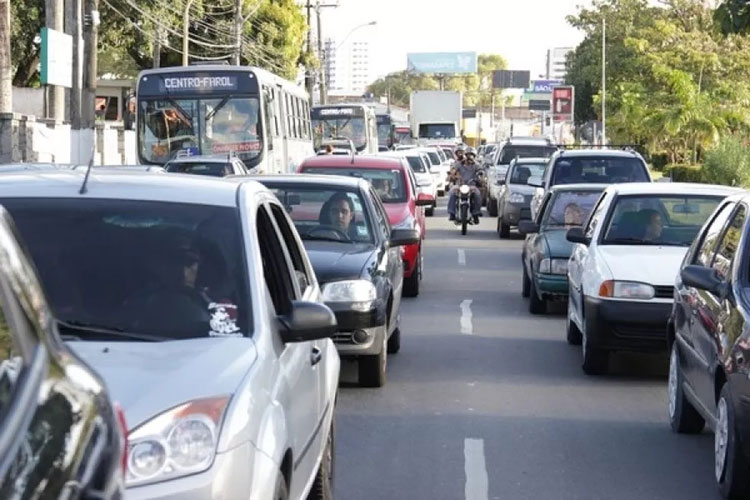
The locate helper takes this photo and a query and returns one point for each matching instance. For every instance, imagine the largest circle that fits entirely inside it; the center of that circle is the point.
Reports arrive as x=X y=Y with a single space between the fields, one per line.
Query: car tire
x=572 y=333
x=394 y=341
x=731 y=467
x=503 y=229
x=683 y=417
x=492 y=207
x=441 y=192
x=537 y=305
x=411 y=284
x=372 y=368
x=525 y=282
x=281 y=491
x=595 y=361
x=322 y=488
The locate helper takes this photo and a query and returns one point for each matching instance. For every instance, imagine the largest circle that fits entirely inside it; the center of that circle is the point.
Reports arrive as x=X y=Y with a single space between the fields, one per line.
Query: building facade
x=556 y=62
x=348 y=67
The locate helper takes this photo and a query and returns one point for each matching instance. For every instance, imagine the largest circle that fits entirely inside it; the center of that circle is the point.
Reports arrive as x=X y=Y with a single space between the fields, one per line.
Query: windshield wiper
x=325 y=238
x=221 y=104
x=630 y=241
x=81 y=326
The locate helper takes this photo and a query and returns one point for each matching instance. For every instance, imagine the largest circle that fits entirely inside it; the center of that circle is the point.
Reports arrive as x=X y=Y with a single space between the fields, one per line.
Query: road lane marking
x=467 y=328
x=477 y=484
x=461 y=257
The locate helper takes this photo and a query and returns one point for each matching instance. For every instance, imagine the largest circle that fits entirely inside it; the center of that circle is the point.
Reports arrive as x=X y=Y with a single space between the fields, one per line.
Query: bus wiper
x=221 y=104
x=82 y=326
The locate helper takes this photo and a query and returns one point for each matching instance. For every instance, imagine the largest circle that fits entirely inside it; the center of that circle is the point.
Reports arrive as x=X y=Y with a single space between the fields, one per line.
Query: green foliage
x=683 y=173
x=733 y=16
x=729 y=162
x=27 y=20
x=476 y=88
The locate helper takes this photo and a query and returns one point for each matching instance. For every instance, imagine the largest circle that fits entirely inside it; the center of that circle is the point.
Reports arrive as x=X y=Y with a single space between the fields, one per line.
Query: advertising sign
x=507 y=79
x=539 y=105
x=544 y=86
x=562 y=102
x=56 y=58
x=442 y=62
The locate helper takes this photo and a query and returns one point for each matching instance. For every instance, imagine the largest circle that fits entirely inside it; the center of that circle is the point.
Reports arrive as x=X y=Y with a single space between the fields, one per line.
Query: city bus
x=248 y=112
x=353 y=121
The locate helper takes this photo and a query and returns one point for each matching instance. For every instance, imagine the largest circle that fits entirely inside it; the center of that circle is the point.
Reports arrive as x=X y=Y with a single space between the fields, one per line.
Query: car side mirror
x=424 y=199
x=527 y=227
x=576 y=235
x=307 y=321
x=535 y=181
x=704 y=278
x=500 y=182
x=401 y=237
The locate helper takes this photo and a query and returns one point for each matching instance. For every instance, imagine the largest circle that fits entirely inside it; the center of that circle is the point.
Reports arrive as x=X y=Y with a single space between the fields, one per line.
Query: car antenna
x=88 y=170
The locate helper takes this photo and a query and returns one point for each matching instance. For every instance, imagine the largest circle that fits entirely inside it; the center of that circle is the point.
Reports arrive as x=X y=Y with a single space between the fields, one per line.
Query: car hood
x=337 y=261
x=524 y=189
x=655 y=265
x=557 y=245
x=147 y=378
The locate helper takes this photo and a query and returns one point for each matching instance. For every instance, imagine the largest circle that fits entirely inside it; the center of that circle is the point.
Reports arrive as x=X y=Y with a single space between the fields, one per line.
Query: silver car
x=195 y=300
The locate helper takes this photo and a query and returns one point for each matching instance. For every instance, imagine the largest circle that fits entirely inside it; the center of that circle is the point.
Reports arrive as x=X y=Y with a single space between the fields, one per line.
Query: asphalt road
x=485 y=401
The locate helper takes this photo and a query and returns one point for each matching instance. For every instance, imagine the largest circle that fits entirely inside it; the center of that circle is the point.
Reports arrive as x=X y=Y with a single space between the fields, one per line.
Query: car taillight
x=124 y=431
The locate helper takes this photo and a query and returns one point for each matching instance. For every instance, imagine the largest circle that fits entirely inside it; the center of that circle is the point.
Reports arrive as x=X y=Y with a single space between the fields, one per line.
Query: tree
x=28 y=20
x=733 y=16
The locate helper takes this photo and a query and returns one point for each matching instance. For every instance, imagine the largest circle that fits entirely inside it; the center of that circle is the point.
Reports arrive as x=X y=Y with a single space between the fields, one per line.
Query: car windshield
x=388 y=183
x=199 y=126
x=569 y=208
x=511 y=151
x=598 y=170
x=449 y=153
x=325 y=212
x=658 y=220
x=434 y=158
x=172 y=270
x=521 y=172
x=212 y=169
x=415 y=162
x=437 y=131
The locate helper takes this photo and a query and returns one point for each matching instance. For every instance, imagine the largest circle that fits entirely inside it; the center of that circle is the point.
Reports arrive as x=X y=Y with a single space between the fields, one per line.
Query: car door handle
x=315 y=356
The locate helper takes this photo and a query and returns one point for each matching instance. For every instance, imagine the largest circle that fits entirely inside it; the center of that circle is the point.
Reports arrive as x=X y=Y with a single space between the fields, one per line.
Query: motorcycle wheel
x=464 y=218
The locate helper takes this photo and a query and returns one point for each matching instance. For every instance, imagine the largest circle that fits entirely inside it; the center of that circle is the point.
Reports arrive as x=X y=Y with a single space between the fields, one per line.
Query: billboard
x=539 y=105
x=56 y=58
x=507 y=79
x=562 y=102
x=442 y=62
x=544 y=86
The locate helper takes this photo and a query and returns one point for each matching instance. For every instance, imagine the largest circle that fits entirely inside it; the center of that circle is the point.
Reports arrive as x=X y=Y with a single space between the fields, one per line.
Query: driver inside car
x=338 y=213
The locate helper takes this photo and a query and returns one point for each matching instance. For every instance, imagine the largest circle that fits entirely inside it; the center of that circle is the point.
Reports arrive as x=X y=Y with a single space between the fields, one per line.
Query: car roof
x=344 y=181
x=528 y=141
x=671 y=188
x=610 y=153
x=521 y=161
x=125 y=186
x=357 y=161
x=405 y=152
x=577 y=187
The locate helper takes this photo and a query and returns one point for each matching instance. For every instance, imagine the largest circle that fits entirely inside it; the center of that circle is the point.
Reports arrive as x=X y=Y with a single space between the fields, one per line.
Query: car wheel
x=322 y=488
x=572 y=333
x=372 y=367
x=441 y=192
x=281 y=491
x=730 y=464
x=394 y=341
x=525 y=282
x=411 y=284
x=429 y=211
x=536 y=305
x=683 y=417
x=595 y=361
x=503 y=229
x=492 y=207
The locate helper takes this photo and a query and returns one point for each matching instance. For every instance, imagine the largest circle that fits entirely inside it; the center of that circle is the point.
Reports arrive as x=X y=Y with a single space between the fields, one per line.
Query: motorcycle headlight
x=176 y=443
x=360 y=294
x=516 y=198
x=626 y=290
x=464 y=189
x=553 y=266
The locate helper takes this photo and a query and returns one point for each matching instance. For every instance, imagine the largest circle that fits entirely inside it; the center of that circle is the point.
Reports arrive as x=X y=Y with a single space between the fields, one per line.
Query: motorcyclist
x=459 y=154
x=466 y=172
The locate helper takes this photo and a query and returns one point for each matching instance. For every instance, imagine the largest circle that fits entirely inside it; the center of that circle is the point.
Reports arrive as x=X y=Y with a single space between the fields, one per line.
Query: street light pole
x=604 y=81
x=185 y=26
x=371 y=23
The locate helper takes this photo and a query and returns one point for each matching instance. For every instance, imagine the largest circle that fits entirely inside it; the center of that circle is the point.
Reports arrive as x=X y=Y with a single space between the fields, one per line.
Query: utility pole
x=309 y=68
x=185 y=27
x=158 y=36
x=604 y=81
x=238 y=22
x=88 y=93
x=321 y=55
x=54 y=11
x=6 y=88
x=74 y=27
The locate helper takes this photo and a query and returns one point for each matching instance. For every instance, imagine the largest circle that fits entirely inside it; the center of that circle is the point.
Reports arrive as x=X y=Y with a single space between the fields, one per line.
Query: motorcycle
x=464 y=208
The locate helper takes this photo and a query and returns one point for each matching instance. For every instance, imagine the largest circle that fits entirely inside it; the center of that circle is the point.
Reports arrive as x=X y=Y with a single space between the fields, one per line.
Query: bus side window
x=268 y=117
x=276 y=108
x=297 y=117
x=288 y=112
x=306 y=118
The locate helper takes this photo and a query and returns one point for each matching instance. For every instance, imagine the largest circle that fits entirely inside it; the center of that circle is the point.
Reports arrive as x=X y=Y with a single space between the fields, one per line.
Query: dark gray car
x=515 y=194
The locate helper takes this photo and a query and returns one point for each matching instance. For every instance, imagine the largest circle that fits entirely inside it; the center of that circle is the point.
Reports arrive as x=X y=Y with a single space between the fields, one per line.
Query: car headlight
x=176 y=443
x=626 y=290
x=516 y=198
x=360 y=294
x=553 y=266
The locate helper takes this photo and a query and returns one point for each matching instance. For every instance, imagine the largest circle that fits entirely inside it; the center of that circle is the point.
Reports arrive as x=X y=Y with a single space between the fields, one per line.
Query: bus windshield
x=329 y=123
x=199 y=126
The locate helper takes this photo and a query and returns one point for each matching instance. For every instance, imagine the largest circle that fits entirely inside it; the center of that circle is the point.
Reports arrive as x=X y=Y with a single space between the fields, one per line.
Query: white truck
x=436 y=115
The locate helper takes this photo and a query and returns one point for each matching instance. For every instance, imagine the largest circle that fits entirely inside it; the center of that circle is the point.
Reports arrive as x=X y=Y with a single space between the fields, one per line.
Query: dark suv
x=60 y=437
x=709 y=340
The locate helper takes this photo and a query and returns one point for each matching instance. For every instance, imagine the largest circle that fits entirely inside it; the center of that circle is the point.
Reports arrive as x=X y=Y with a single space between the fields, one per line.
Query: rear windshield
x=171 y=270
x=389 y=184
x=449 y=153
x=434 y=158
x=437 y=130
x=522 y=172
x=658 y=220
x=510 y=151
x=213 y=169
x=569 y=208
x=415 y=162
x=598 y=170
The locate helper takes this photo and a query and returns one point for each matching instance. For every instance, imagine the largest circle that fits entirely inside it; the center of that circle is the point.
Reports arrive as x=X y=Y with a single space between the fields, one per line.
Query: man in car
x=339 y=212
x=465 y=172
x=573 y=215
x=654 y=226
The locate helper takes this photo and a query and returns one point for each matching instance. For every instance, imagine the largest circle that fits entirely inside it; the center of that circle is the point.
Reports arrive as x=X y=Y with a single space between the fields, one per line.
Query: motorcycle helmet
x=470 y=151
x=460 y=147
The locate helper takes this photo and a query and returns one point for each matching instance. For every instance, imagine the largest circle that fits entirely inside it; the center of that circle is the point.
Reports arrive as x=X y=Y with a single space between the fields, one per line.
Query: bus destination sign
x=198 y=83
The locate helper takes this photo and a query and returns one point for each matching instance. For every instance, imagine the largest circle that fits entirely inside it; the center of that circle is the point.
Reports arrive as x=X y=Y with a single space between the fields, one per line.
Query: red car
x=394 y=181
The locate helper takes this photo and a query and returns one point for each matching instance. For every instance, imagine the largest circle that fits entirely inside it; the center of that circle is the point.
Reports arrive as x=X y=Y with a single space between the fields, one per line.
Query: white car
x=420 y=165
x=196 y=302
x=622 y=269
x=440 y=167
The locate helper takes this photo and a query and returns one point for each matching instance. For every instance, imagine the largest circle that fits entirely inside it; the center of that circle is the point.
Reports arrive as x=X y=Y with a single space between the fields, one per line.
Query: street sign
x=56 y=58
x=539 y=105
x=506 y=79
x=442 y=62
x=562 y=102
x=544 y=86
x=469 y=113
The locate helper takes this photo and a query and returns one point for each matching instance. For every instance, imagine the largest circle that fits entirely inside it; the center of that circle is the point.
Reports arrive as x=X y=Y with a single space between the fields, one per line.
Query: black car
x=514 y=194
x=709 y=337
x=356 y=256
x=60 y=436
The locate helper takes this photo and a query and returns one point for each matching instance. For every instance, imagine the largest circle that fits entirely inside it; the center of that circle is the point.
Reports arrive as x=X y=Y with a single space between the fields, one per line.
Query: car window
x=522 y=171
x=412 y=183
x=596 y=217
x=729 y=243
x=434 y=158
x=389 y=183
x=381 y=216
x=295 y=253
x=416 y=164
x=211 y=169
x=275 y=269
x=711 y=235
x=511 y=151
x=569 y=208
x=598 y=170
